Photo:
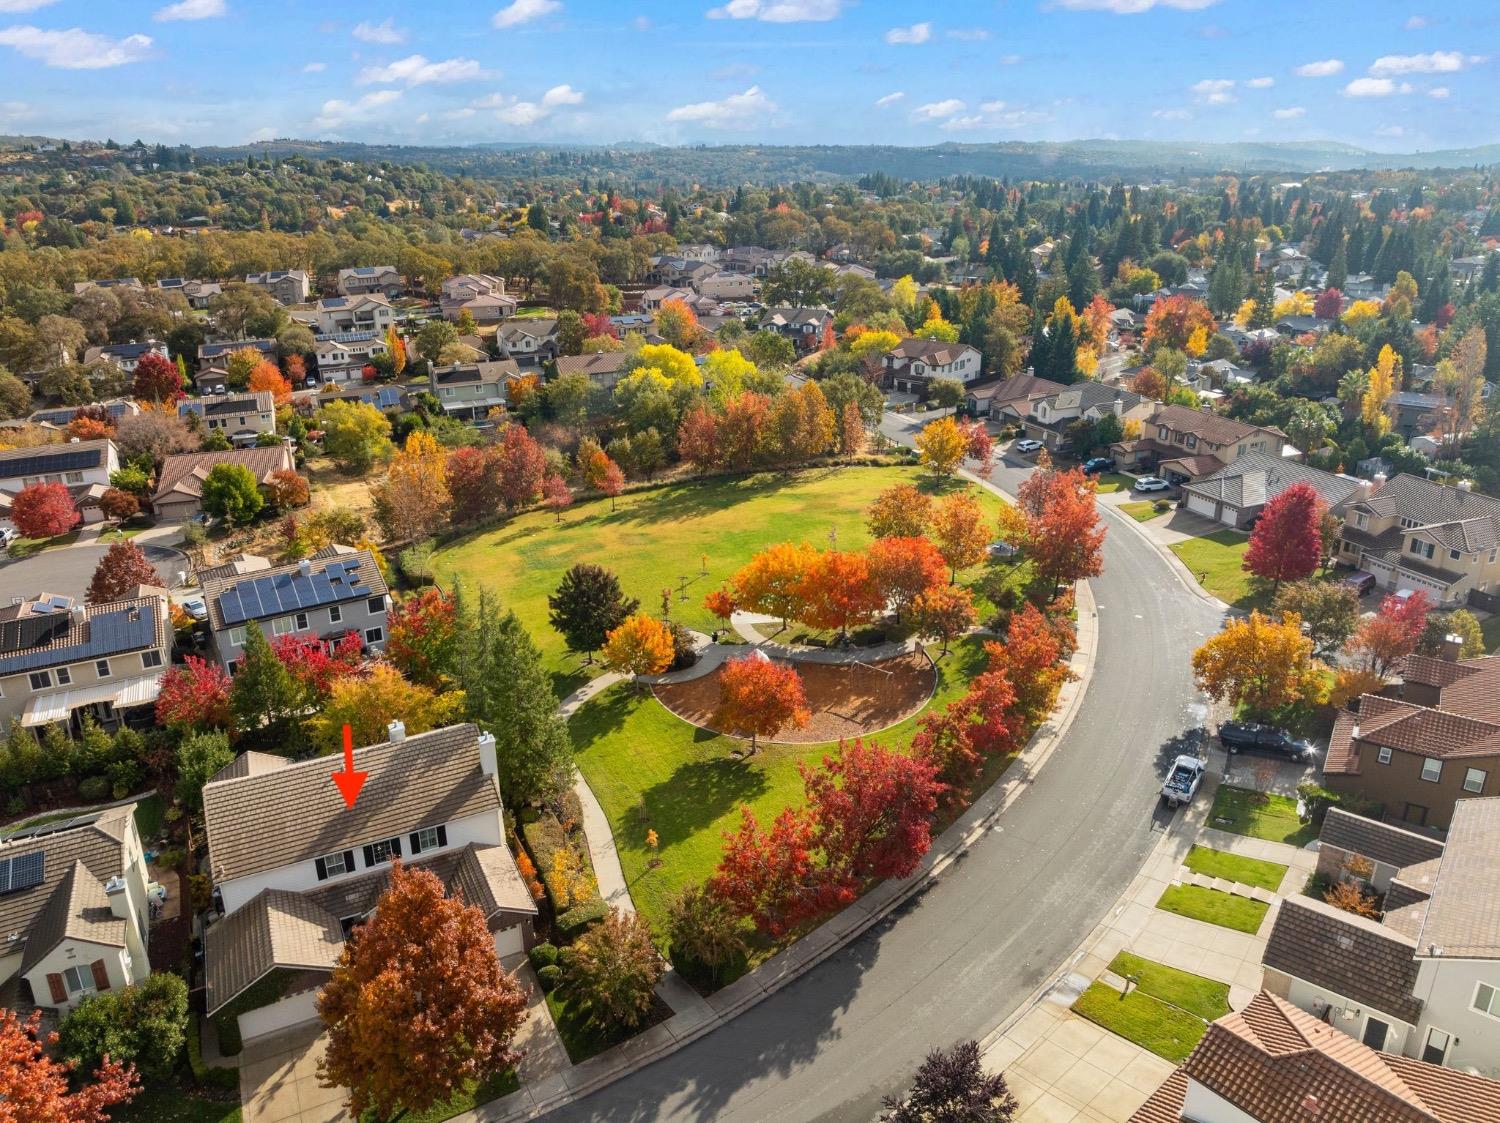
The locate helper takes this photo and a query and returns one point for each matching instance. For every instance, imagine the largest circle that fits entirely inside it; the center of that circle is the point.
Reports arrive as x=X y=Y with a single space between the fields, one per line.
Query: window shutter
x=101 y=975
x=322 y=869
x=442 y=836
x=369 y=856
x=396 y=847
x=416 y=843
x=59 y=992
x=348 y=861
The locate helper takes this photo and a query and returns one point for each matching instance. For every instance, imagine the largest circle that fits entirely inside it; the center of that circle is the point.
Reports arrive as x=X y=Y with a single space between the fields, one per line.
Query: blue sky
x=1389 y=76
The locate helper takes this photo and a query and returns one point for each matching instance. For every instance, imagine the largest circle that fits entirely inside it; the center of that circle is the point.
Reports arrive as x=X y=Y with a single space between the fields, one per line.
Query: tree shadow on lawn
x=698 y=793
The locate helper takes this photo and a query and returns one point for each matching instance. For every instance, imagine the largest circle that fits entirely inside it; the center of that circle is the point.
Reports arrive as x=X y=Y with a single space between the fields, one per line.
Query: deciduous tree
x=837 y=592
x=43 y=511
x=942 y=444
x=953 y=1087
x=422 y=639
x=34 y=1087
x=900 y=511
x=641 y=645
x=703 y=932
x=1066 y=538
x=557 y=496
x=698 y=437
x=119 y=571
x=1383 y=640
x=1257 y=662
x=611 y=971
x=1286 y=544
x=156 y=379
x=1032 y=658
x=768 y=876
x=231 y=493
x=772 y=582
x=413 y=499
x=143 y=1025
x=944 y=613
x=587 y=607
x=474 y=484
x=355 y=434
x=317 y=664
x=1329 y=611
x=903 y=569
x=522 y=467
x=759 y=698
x=1172 y=322
x=369 y=703
x=287 y=490
x=194 y=695
x=959 y=530
x=267 y=377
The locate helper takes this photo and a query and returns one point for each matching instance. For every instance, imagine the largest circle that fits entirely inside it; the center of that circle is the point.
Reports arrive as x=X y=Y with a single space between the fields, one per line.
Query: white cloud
x=385 y=32
x=916 y=33
x=1134 y=7
x=1439 y=92
x=1324 y=68
x=1415 y=23
x=192 y=9
x=1390 y=131
x=1290 y=113
x=969 y=34
x=511 y=110
x=1375 y=87
x=1261 y=83
x=933 y=110
x=562 y=95
x=315 y=68
x=780 y=11
x=524 y=11
x=737 y=111
x=24 y=5
x=1215 y=91
x=336 y=111
x=1010 y=60
x=75 y=49
x=418 y=70
x=1434 y=62
x=992 y=115
x=889 y=99
x=1172 y=114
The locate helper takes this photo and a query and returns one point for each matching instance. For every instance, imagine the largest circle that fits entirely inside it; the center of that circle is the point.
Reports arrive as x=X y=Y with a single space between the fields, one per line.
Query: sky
x=1389 y=76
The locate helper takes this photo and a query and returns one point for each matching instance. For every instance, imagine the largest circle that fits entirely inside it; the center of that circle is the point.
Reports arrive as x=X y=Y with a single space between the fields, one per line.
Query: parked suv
x=1251 y=737
x=1098 y=464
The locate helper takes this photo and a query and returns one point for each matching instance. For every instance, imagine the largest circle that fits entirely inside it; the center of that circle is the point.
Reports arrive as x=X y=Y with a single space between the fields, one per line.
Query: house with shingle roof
x=802 y=327
x=913 y=364
x=286 y=286
x=295 y=870
x=469 y=391
x=363 y=280
x=1424 y=979
x=1009 y=399
x=126 y=356
x=83 y=467
x=1274 y=1063
x=529 y=339
x=604 y=368
x=1052 y=416
x=369 y=312
x=481 y=295
x=1236 y=494
x=74 y=918
x=198 y=294
x=179 y=484
x=1184 y=445
x=241 y=417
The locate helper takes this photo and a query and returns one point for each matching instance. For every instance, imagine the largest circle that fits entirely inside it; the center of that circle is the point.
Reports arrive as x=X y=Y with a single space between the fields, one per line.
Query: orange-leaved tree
x=267 y=376
x=900 y=511
x=759 y=698
x=905 y=568
x=943 y=612
x=34 y=1087
x=1066 y=536
x=641 y=645
x=837 y=591
x=772 y=581
x=959 y=530
x=1258 y=662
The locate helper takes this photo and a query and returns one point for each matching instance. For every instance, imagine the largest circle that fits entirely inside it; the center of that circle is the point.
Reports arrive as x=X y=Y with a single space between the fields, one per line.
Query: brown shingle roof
x=600 y=362
x=1380 y=842
x=1408 y=728
x=183 y=475
x=263 y=821
x=1205 y=424
x=274 y=929
x=370 y=582
x=78 y=909
x=1463 y=916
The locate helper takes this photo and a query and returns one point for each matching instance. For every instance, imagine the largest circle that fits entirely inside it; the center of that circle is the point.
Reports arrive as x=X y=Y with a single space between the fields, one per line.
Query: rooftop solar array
x=256 y=597
x=346 y=337
x=229 y=346
x=39 y=463
x=24 y=642
x=57 y=826
x=22 y=872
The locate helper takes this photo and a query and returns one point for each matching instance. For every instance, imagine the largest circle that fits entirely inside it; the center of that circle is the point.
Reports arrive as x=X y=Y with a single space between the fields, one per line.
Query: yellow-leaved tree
x=1260 y=663
x=413 y=499
x=1385 y=380
x=942 y=445
x=642 y=645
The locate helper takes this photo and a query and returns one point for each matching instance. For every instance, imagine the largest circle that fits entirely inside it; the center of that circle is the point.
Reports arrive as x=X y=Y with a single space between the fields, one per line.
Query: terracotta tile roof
x=1380 y=842
x=1408 y=728
x=276 y=818
x=1165 y=1104
x=184 y=475
x=1429 y=670
x=1351 y=955
x=1341 y=759
x=1463 y=916
x=1452 y=1095
x=78 y=909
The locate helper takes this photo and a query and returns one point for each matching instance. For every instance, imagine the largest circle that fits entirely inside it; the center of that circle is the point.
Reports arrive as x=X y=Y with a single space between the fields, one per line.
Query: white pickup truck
x=1182 y=782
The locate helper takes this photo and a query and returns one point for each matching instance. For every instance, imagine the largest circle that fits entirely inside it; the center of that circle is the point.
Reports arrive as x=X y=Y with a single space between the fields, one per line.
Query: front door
x=1436 y=1048
x=1376 y=1032
x=1416 y=814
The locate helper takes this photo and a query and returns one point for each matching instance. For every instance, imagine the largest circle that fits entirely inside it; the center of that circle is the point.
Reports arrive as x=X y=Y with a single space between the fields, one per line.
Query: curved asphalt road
x=958 y=958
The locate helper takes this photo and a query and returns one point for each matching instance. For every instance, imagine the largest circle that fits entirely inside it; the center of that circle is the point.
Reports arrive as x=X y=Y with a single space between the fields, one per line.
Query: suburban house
x=1009 y=400
x=679 y=272
x=286 y=286
x=529 y=340
x=1413 y=412
x=218 y=352
x=83 y=467
x=242 y=417
x=1417 y=754
x=295 y=870
x=59 y=416
x=1236 y=495
x=60 y=659
x=1183 y=444
x=755 y=260
x=1051 y=416
x=337 y=590
x=913 y=363
x=1423 y=981
x=74 y=919
x=337 y=314
x=179 y=485
x=125 y=355
x=604 y=368
x=80 y=287
x=479 y=294
x=804 y=327
x=198 y=294
x=342 y=357
x=698 y=251
x=1412 y=533
x=1273 y=1063
x=723 y=285
x=652 y=300
x=469 y=391
x=390 y=400
x=364 y=280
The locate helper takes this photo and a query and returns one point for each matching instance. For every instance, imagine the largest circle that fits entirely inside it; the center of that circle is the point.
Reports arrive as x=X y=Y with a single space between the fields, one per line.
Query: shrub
x=549 y=976
x=683 y=653
x=93 y=787
x=416 y=562
x=543 y=955
x=1348 y=896
x=578 y=920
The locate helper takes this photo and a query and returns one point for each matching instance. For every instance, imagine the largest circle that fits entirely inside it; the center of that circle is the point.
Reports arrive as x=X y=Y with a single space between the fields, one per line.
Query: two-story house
x=179 y=483
x=74 y=918
x=215 y=354
x=803 y=327
x=337 y=590
x=653 y=299
x=1236 y=495
x=481 y=295
x=241 y=417
x=1009 y=400
x=913 y=363
x=198 y=294
x=1418 y=758
x=364 y=280
x=604 y=368
x=83 y=467
x=1183 y=444
x=343 y=357
x=61 y=660
x=295 y=870
x=1050 y=417
x=354 y=313
x=530 y=340
x=678 y=272
x=1424 y=979
x=60 y=416
x=1412 y=533
x=125 y=355
x=286 y=286
x=720 y=285
x=755 y=260
x=468 y=391
x=1274 y=1063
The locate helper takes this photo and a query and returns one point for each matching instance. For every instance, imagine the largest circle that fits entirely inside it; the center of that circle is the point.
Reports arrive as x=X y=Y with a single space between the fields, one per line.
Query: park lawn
x=1217 y=561
x=165 y=1101
x=691 y=537
x=650 y=770
x=1259 y=815
x=1234 y=867
x=1207 y=998
x=1214 y=907
x=1163 y=1029
x=1141 y=510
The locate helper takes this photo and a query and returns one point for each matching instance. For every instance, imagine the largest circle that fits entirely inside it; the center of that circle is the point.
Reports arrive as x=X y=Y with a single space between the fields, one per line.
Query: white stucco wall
x=294 y=1011
x=1447 y=988
x=121 y=967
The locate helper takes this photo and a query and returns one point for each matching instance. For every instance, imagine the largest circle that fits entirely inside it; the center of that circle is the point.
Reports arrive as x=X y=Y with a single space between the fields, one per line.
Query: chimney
x=1452 y=645
x=396 y=732
x=1379 y=480
x=304 y=568
x=487 y=762
x=1465 y=485
x=1366 y=489
x=80 y=614
x=119 y=900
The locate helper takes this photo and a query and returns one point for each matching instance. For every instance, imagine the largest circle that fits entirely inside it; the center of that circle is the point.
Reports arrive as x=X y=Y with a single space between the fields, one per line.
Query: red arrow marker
x=349 y=781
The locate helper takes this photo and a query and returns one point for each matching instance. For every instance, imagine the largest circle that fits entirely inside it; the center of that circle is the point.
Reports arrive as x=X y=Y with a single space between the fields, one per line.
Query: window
x=64 y=676
x=376 y=604
x=428 y=838
x=1432 y=770
x=384 y=851
x=1422 y=549
x=80 y=980
x=101 y=668
x=237 y=637
x=1487 y=1000
x=302 y=621
x=331 y=865
x=1493 y=554
x=281 y=625
x=1375 y=1032
x=73 y=477
x=1436 y=1049
x=1474 y=779
x=1384 y=755
x=1361 y=519
x=374 y=635
x=41 y=680
x=150 y=659
x=335 y=614
x=1453 y=555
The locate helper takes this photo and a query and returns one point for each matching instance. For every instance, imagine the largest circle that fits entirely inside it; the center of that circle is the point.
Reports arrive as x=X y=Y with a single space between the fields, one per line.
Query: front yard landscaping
x=1234 y=867
x=1208 y=998
x=1113 y=481
x=1142 y=510
x=1214 y=907
x=1165 y=1030
x=1259 y=815
x=1216 y=560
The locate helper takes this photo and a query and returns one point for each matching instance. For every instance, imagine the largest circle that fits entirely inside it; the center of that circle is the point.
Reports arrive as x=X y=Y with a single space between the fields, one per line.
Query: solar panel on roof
x=41 y=464
x=22 y=872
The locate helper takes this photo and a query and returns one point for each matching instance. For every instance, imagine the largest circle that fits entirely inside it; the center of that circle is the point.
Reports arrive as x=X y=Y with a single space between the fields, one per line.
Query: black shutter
x=369 y=856
x=416 y=844
x=396 y=847
x=348 y=861
x=322 y=868
x=442 y=836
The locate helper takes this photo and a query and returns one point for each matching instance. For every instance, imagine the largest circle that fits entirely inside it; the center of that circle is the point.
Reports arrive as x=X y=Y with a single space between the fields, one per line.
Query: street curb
x=1184 y=574
x=833 y=934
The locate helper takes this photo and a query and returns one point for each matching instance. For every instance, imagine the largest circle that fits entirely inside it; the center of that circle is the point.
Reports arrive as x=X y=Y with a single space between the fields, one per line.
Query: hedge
x=267 y=989
x=549 y=977
x=543 y=955
x=576 y=921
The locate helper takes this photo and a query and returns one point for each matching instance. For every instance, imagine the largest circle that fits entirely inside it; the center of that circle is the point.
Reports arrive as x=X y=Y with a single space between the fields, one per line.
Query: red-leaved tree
x=1287 y=544
x=759 y=698
x=194 y=695
x=1383 y=640
x=317 y=664
x=119 y=571
x=905 y=568
x=1065 y=537
x=34 y=1088
x=698 y=437
x=556 y=494
x=768 y=876
x=43 y=511
x=837 y=591
x=1329 y=304
x=474 y=483
x=156 y=379
x=521 y=468
x=423 y=637
x=1031 y=658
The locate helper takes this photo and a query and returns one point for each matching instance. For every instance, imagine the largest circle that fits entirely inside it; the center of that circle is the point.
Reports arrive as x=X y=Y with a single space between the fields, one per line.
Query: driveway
x=279 y=1080
x=67 y=570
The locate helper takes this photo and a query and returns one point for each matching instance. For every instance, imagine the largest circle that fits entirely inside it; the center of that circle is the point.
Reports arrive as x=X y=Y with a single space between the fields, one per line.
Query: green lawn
x=1163 y=1029
x=1141 y=510
x=1113 y=481
x=583 y=1041
x=1207 y=998
x=26 y=547
x=1233 y=867
x=1216 y=560
x=653 y=771
x=1213 y=907
x=475 y=1092
x=1490 y=626
x=167 y=1102
x=1259 y=815
x=148 y=817
x=660 y=538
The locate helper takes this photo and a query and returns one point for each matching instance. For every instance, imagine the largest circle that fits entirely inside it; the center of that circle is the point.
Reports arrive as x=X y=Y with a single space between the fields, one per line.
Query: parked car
x=1182 y=782
x=1151 y=483
x=1252 y=737
x=1028 y=445
x=1360 y=581
x=195 y=608
x=1098 y=464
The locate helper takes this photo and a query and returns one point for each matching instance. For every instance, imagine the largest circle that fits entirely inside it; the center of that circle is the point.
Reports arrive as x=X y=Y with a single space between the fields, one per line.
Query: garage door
x=1202 y=506
x=1229 y=516
x=510 y=941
